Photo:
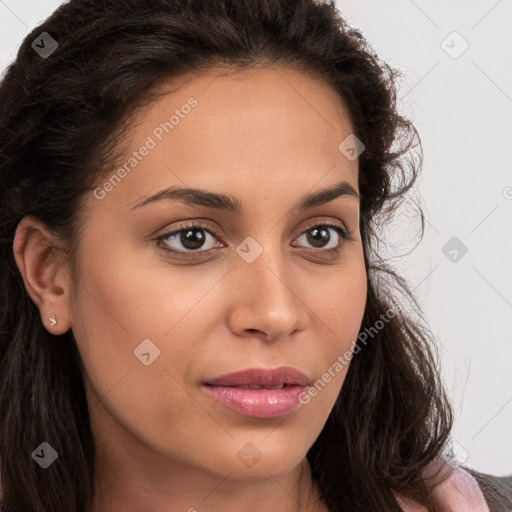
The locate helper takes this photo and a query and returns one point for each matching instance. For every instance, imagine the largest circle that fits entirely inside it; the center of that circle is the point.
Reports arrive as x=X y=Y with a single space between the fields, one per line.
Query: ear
x=46 y=278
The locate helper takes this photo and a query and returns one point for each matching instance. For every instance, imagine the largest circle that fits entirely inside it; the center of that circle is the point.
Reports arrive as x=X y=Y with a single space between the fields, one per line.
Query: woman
x=194 y=315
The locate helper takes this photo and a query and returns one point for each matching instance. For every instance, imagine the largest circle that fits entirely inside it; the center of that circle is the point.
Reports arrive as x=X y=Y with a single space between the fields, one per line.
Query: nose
x=267 y=299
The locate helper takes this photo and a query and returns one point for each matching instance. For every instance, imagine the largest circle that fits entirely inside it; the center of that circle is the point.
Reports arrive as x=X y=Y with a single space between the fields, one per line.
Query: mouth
x=259 y=392
x=256 y=386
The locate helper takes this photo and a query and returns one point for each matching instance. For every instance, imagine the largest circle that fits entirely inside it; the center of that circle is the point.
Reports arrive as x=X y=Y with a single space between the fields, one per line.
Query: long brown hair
x=62 y=118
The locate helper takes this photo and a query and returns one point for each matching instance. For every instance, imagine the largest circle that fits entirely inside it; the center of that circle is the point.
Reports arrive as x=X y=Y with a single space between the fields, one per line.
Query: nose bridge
x=262 y=262
x=266 y=299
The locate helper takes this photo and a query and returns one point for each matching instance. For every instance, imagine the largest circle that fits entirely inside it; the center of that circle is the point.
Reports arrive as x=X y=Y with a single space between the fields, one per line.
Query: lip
x=279 y=389
x=266 y=377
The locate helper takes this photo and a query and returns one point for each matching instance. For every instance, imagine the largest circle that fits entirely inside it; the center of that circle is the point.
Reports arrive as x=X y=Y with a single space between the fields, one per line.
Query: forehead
x=252 y=130
x=239 y=110
x=261 y=94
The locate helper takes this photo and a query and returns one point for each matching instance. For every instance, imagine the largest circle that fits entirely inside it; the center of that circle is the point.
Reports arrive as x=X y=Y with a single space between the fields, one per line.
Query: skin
x=265 y=137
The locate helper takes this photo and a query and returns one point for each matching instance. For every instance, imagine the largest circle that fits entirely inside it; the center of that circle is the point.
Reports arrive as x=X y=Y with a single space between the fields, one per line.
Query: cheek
x=131 y=366
x=340 y=303
x=125 y=311
x=125 y=300
x=339 y=308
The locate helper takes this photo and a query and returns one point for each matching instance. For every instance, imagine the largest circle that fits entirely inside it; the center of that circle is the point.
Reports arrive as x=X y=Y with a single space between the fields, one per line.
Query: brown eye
x=320 y=237
x=189 y=240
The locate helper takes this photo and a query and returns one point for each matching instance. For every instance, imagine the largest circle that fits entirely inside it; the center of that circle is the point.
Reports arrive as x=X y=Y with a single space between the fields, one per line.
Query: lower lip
x=257 y=403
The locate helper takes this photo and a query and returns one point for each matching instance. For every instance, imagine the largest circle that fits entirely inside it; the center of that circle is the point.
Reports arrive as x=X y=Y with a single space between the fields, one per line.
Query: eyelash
x=343 y=233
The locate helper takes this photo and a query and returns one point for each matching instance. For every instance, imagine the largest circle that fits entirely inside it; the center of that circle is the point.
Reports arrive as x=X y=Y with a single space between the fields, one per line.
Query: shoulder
x=467 y=490
x=497 y=490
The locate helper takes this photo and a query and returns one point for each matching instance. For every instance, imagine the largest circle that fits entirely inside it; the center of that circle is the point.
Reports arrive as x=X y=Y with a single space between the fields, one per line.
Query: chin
x=256 y=459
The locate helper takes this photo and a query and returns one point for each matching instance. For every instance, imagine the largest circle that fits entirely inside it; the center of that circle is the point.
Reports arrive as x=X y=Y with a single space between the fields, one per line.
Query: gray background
x=461 y=103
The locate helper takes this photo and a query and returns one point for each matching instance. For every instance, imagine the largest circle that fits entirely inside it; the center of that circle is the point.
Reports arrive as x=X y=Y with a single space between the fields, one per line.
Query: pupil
x=192 y=238
x=319 y=236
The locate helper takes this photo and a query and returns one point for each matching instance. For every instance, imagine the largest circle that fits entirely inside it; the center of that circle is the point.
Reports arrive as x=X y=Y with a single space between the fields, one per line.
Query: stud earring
x=53 y=320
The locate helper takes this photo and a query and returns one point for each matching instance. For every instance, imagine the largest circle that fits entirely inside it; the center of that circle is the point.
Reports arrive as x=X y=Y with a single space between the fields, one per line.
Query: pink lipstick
x=259 y=392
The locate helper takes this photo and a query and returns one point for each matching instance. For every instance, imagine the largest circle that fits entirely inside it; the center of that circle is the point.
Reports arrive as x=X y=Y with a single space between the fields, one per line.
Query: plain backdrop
x=456 y=87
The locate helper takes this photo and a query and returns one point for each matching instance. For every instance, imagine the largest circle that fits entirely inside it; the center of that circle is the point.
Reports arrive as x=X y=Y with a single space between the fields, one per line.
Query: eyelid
x=326 y=222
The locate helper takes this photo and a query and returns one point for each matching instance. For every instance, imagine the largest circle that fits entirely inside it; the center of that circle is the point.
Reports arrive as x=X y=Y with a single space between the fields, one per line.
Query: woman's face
x=262 y=287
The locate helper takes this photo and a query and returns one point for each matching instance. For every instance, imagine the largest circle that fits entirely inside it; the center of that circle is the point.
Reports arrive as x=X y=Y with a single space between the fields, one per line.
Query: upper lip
x=264 y=377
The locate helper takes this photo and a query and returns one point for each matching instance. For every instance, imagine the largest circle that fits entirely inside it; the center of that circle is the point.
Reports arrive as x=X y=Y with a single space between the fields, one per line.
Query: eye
x=319 y=236
x=191 y=238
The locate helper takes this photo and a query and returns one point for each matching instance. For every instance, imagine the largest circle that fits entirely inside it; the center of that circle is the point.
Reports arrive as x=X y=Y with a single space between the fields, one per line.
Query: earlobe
x=46 y=279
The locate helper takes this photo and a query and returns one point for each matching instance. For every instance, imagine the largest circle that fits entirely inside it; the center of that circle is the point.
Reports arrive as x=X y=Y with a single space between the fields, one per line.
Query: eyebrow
x=194 y=196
